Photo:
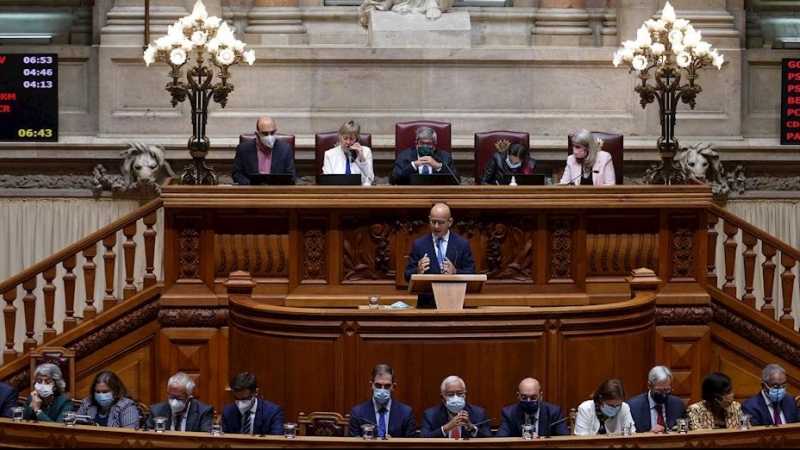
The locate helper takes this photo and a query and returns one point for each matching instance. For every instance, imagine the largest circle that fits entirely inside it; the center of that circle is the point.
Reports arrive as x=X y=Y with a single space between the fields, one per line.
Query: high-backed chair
x=405 y=134
x=288 y=138
x=326 y=141
x=487 y=143
x=323 y=423
x=61 y=357
x=612 y=143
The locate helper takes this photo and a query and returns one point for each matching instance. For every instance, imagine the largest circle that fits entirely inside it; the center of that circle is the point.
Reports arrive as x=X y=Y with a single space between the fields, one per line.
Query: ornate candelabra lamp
x=212 y=43
x=665 y=50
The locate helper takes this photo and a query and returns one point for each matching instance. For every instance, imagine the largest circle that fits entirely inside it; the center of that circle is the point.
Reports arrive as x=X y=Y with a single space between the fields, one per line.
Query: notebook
x=340 y=179
x=276 y=179
x=432 y=179
x=536 y=179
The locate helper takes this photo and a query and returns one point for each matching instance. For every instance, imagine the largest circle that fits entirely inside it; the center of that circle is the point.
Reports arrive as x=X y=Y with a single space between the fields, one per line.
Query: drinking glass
x=374 y=301
x=626 y=430
x=160 y=424
x=682 y=426
x=289 y=430
x=69 y=418
x=216 y=427
x=368 y=431
x=744 y=421
x=527 y=432
x=16 y=413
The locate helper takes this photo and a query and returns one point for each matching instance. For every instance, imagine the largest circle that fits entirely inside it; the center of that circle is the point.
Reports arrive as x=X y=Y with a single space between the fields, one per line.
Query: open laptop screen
x=535 y=179
x=432 y=179
x=277 y=179
x=340 y=179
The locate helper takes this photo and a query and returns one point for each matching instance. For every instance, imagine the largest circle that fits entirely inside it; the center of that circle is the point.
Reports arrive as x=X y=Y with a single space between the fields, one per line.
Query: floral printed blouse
x=700 y=416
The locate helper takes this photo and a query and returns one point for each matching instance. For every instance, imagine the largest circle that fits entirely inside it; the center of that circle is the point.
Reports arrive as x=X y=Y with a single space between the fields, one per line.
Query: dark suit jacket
x=401 y=419
x=268 y=419
x=756 y=406
x=496 y=168
x=401 y=174
x=640 y=411
x=246 y=161
x=9 y=397
x=199 y=418
x=458 y=252
x=513 y=418
x=434 y=419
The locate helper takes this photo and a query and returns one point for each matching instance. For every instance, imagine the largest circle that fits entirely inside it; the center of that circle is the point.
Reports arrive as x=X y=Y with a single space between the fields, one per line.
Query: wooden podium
x=448 y=290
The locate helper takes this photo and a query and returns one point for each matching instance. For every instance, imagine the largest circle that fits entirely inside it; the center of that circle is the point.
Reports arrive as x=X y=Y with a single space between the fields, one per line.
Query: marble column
x=276 y=22
x=562 y=23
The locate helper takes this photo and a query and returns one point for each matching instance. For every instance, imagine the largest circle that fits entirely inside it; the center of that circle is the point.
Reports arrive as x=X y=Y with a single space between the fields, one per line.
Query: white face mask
x=44 y=390
x=244 y=405
x=269 y=141
x=176 y=405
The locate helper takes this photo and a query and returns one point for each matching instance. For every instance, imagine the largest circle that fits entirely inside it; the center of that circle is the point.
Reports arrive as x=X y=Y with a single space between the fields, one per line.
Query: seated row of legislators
x=269 y=160
x=607 y=411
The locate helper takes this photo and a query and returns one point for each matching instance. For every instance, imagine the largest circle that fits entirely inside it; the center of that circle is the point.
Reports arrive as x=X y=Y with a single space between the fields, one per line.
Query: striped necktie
x=246 y=422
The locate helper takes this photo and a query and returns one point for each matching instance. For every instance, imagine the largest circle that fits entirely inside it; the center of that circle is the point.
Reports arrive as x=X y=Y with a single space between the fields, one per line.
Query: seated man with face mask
x=423 y=159
x=455 y=418
x=389 y=417
x=546 y=419
x=264 y=154
x=183 y=412
x=249 y=414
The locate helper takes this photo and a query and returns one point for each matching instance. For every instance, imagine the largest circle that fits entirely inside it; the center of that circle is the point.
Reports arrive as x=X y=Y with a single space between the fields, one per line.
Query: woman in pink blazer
x=588 y=165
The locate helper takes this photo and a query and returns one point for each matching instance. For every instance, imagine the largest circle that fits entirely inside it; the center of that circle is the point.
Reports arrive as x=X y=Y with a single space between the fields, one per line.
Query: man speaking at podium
x=440 y=252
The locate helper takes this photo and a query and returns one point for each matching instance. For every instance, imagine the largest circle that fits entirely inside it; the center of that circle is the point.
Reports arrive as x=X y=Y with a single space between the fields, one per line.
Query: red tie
x=660 y=415
x=776 y=413
x=456 y=433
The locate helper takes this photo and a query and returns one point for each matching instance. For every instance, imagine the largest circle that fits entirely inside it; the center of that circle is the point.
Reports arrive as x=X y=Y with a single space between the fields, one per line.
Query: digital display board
x=29 y=97
x=790 y=102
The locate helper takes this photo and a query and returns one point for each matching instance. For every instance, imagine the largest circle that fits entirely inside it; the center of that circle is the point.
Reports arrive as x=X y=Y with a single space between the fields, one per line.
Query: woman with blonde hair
x=588 y=165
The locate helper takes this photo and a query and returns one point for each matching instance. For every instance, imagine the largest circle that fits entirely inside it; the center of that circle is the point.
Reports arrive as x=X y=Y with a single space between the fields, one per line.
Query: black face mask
x=660 y=398
x=425 y=151
x=529 y=407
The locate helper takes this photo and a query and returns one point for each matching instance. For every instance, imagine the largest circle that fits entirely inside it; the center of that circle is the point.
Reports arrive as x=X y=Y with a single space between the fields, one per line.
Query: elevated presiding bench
x=48 y=435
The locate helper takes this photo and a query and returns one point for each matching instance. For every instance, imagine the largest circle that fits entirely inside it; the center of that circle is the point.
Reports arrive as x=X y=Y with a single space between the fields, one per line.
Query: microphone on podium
x=455 y=178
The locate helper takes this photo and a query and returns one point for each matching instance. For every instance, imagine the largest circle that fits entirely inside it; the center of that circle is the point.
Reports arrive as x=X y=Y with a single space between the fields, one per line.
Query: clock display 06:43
x=35 y=133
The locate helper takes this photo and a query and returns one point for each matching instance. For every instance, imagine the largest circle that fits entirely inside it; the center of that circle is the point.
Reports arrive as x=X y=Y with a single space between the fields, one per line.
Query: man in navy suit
x=9 y=398
x=656 y=409
x=392 y=418
x=183 y=412
x=771 y=406
x=249 y=414
x=455 y=418
x=264 y=154
x=440 y=252
x=546 y=418
x=423 y=159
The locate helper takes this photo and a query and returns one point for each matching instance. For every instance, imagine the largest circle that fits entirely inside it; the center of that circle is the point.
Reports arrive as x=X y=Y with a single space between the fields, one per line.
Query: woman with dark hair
x=108 y=403
x=605 y=412
x=514 y=160
x=47 y=401
x=717 y=409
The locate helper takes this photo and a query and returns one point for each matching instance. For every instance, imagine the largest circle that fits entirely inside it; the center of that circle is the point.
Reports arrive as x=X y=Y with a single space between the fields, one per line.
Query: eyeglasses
x=665 y=391
x=382 y=385
x=453 y=394
x=776 y=385
x=267 y=133
x=180 y=399
x=528 y=398
x=438 y=221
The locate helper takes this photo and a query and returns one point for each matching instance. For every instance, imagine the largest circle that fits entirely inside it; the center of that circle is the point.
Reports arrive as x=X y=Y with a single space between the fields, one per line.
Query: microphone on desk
x=578 y=176
x=449 y=170
x=475 y=426
x=572 y=413
x=371 y=179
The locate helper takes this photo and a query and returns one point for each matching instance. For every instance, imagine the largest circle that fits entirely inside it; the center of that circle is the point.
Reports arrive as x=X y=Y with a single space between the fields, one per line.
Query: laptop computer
x=340 y=179
x=272 y=179
x=432 y=179
x=536 y=179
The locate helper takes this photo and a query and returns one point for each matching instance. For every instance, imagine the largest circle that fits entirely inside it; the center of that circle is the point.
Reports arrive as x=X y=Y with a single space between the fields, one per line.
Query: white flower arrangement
x=659 y=40
x=198 y=33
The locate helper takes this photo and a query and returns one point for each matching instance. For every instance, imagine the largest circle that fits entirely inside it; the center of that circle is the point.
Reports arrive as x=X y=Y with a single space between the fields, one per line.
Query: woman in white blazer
x=350 y=153
x=588 y=165
x=605 y=412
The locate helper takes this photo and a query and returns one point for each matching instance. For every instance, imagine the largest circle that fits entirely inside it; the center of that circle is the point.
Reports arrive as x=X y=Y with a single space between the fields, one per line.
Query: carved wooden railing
x=753 y=240
x=44 y=274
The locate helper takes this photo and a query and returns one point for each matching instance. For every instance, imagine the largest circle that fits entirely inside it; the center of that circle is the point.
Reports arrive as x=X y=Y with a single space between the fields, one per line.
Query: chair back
x=326 y=141
x=487 y=143
x=613 y=144
x=323 y=423
x=61 y=357
x=288 y=138
x=405 y=134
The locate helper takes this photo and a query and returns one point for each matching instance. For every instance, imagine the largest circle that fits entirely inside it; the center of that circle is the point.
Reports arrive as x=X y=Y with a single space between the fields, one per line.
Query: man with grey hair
x=771 y=406
x=656 y=410
x=423 y=159
x=183 y=412
x=455 y=418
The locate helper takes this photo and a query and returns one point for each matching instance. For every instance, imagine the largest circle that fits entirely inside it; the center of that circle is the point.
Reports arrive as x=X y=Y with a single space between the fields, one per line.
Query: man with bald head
x=440 y=252
x=546 y=418
x=264 y=154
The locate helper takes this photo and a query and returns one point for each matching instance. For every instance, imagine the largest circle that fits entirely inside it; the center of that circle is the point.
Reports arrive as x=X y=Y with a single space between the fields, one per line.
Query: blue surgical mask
x=512 y=165
x=381 y=396
x=776 y=395
x=455 y=404
x=609 y=410
x=104 y=398
x=425 y=151
x=529 y=407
